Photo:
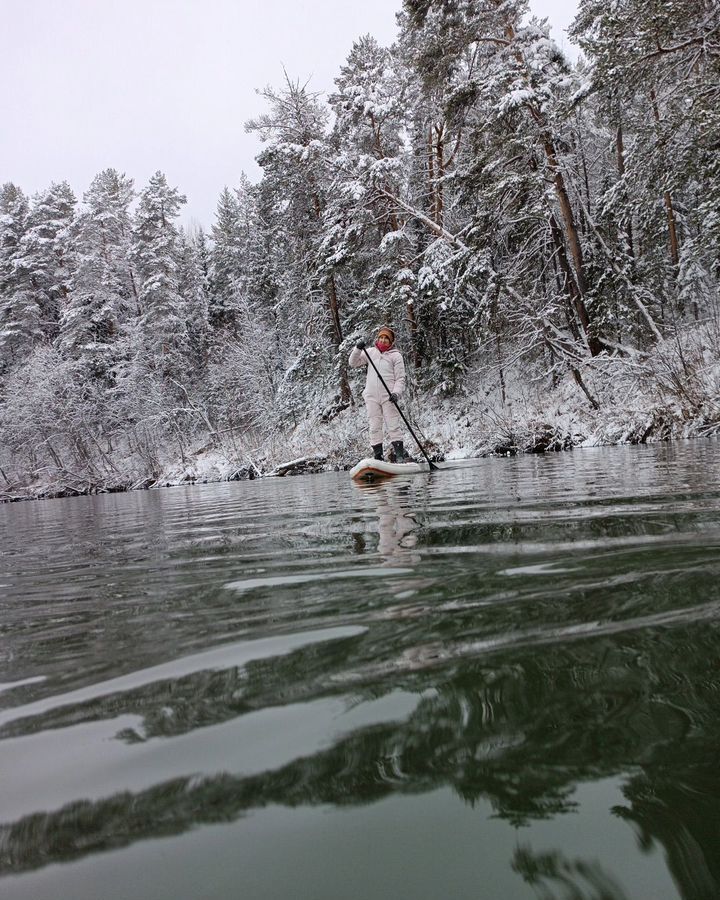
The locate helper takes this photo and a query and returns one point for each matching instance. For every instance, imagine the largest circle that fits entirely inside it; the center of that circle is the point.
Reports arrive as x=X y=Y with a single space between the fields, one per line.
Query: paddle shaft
x=397 y=407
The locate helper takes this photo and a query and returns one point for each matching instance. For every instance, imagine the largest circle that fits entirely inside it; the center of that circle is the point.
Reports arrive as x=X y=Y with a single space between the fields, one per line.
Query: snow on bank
x=626 y=398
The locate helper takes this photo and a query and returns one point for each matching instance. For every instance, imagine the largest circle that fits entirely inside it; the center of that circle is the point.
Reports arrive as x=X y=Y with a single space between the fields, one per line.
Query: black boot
x=377 y=451
x=400 y=454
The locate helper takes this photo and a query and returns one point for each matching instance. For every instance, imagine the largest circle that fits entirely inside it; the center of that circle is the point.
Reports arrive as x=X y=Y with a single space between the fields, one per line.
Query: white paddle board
x=373 y=469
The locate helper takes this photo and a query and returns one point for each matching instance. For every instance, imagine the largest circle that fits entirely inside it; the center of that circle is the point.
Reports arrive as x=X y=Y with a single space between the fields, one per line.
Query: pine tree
x=107 y=204
x=364 y=226
x=296 y=191
x=656 y=67
x=226 y=263
x=46 y=257
x=38 y=267
x=90 y=323
x=509 y=88
x=104 y=298
x=162 y=325
x=13 y=218
x=16 y=326
x=193 y=261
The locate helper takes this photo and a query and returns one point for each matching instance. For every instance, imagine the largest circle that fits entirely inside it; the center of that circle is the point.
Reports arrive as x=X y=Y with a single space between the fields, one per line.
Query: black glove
x=361 y=344
x=393 y=397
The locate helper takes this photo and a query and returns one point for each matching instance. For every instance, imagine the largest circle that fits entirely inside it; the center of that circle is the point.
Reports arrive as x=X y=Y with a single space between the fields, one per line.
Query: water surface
x=496 y=681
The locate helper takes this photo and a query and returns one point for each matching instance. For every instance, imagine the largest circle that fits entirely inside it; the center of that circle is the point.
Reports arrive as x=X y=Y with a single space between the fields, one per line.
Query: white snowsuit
x=377 y=403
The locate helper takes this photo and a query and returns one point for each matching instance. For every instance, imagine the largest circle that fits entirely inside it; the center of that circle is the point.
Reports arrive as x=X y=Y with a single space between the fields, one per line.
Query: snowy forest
x=543 y=236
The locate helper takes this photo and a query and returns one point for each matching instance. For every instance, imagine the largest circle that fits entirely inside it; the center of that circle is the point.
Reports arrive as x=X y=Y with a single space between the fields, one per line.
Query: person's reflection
x=396 y=521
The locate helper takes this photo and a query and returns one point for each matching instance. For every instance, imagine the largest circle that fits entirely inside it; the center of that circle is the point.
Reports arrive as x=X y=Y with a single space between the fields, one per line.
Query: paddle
x=432 y=465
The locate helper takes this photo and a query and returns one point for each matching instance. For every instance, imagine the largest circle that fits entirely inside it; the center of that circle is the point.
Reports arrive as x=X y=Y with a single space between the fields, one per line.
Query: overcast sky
x=141 y=85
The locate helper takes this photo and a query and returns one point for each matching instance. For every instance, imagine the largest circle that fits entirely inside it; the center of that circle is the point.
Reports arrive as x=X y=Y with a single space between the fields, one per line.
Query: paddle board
x=373 y=469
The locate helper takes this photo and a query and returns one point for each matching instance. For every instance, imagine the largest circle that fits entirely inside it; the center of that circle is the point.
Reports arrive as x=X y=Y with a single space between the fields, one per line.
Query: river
x=501 y=680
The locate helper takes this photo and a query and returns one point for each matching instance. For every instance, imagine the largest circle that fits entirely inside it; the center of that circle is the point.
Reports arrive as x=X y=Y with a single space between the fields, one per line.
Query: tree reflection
x=519 y=729
x=677 y=805
x=578 y=880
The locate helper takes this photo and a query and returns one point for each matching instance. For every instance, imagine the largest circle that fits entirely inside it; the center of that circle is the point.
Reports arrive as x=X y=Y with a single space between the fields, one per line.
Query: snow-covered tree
x=41 y=266
x=294 y=199
x=365 y=239
x=17 y=324
x=509 y=88
x=13 y=218
x=655 y=68
x=193 y=276
x=226 y=262
x=103 y=299
x=46 y=252
x=162 y=328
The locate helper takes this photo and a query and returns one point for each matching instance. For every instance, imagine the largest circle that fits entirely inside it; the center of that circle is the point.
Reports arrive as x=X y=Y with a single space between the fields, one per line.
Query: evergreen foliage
x=103 y=298
x=162 y=326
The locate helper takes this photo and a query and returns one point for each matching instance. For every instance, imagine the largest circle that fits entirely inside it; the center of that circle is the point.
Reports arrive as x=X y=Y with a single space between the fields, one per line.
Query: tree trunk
x=674 y=244
x=334 y=307
x=334 y=310
x=412 y=322
x=583 y=387
x=571 y=231
x=55 y=458
x=577 y=302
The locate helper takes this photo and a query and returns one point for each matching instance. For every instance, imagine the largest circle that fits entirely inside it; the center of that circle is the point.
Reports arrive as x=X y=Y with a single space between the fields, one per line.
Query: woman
x=380 y=404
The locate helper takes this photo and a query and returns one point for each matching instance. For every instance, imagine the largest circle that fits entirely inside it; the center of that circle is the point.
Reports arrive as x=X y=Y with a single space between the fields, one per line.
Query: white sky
x=141 y=85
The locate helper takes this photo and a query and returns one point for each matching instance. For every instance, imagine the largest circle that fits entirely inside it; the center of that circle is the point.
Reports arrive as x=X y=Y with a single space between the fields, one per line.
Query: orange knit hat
x=388 y=332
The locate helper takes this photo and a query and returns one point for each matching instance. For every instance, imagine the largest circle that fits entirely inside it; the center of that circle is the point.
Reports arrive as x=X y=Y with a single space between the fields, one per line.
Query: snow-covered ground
x=627 y=398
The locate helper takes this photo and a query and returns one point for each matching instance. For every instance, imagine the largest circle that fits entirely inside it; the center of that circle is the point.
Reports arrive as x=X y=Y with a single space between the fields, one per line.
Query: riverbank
x=485 y=421
x=628 y=397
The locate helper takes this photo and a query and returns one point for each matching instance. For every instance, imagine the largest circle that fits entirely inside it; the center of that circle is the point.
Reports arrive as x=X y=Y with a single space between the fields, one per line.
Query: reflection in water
x=677 y=805
x=579 y=879
x=521 y=733
x=514 y=634
x=393 y=502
